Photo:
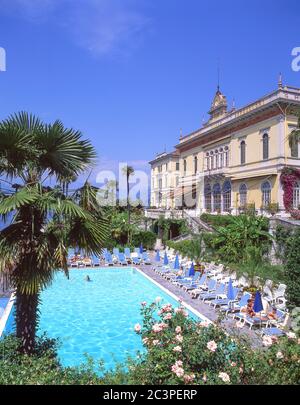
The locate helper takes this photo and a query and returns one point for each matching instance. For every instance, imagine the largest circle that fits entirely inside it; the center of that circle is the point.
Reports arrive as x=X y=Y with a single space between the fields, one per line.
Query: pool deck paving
x=253 y=335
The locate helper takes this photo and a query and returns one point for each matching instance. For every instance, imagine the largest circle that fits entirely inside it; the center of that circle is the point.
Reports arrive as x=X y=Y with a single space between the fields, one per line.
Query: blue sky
x=130 y=73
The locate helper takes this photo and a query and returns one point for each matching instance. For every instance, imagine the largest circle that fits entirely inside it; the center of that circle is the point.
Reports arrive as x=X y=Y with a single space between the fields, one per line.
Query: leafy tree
x=231 y=241
x=292 y=270
x=42 y=222
x=256 y=269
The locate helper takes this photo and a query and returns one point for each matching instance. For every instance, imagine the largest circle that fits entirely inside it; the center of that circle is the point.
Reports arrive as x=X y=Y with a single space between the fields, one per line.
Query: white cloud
x=100 y=26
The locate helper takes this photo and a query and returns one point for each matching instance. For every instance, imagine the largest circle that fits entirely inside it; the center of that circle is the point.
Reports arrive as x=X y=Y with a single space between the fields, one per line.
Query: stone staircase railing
x=196 y=224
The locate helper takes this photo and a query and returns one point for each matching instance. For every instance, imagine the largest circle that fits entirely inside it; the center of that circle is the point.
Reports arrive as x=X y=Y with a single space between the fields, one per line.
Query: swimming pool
x=97 y=317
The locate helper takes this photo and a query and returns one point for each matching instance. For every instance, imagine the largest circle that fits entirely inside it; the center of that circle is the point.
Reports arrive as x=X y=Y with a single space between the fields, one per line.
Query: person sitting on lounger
x=273 y=314
x=248 y=309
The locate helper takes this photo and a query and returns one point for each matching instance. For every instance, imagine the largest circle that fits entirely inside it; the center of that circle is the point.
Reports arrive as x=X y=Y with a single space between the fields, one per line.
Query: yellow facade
x=234 y=161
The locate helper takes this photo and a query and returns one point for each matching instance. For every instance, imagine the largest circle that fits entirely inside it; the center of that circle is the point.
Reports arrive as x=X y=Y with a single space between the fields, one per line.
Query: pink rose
x=267 y=341
x=224 y=377
x=167 y=317
x=188 y=378
x=179 y=338
x=212 y=346
x=279 y=355
x=137 y=328
x=178 y=329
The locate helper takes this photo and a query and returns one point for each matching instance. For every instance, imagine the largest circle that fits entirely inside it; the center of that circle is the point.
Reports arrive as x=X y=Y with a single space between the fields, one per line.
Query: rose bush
x=183 y=351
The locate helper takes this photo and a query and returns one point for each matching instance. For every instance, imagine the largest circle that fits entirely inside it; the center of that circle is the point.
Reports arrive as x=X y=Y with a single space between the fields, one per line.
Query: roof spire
x=280 y=81
x=180 y=137
x=233 y=104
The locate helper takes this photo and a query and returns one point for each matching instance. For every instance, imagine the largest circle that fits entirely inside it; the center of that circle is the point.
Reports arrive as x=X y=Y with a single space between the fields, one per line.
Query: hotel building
x=234 y=161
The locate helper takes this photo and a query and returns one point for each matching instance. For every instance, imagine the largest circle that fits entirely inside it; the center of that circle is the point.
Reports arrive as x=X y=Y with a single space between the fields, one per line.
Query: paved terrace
x=212 y=314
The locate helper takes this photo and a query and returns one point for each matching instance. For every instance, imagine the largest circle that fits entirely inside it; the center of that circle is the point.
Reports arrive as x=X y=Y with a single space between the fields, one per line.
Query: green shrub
x=292 y=270
x=216 y=220
x=147 y=238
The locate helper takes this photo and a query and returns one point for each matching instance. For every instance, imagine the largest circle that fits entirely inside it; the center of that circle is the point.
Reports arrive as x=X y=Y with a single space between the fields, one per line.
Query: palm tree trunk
x=26 y=320
x=128 y=202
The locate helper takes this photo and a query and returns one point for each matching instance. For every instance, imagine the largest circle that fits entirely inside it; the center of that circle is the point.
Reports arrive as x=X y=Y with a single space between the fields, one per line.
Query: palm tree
x=128 y=171
x=294 y=136
x=42 y=222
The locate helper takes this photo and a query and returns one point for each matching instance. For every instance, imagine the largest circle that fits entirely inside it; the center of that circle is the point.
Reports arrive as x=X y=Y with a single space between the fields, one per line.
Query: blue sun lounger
x=218 y=302
x=127 y=253
x=122 y=259
x=273 y=331
x=108 y=259
x=213 y=295
x=189 y=281
x=203 y=288
x=136 y=260
x=145 y=258
x=193 y=285
x=95 y=261
x=251 y=320
x=236 y=307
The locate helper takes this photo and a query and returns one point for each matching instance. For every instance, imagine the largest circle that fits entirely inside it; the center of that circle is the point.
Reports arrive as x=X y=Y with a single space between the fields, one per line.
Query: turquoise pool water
x=97 y=317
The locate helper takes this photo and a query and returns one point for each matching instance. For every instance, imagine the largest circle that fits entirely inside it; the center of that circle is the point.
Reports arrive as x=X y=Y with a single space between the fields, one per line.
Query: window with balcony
x=243 y=195
x=296 y=196
x=266 y=194
x=226 y=191
x=243 y=152
x=265 y=146
x=207 y=197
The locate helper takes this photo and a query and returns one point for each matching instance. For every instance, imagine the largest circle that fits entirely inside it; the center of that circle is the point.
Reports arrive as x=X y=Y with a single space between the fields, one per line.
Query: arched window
x=226 y=156
x=294 y=149
x=207 y=197
x=207 y=161
x=216 y=165
x=211 y=160
x=243 y=152
x=195 y=164
x=266 y=193
x=217 y=197
x=243 y=195
x=226 y=190
x=265 y=146
x=221 y=157
x=296 y=196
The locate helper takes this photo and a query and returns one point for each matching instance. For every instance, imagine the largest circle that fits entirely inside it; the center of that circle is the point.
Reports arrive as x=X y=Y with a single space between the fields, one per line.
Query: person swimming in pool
x=87 y=278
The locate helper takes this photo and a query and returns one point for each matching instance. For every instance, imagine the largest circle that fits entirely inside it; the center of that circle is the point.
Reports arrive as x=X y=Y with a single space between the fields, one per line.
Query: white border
x=6 y=313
